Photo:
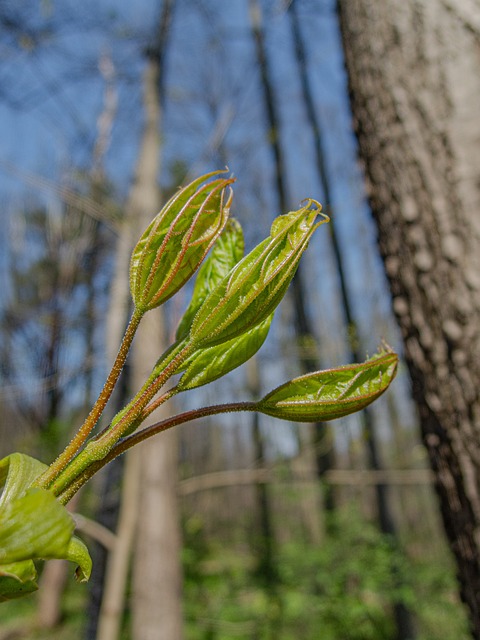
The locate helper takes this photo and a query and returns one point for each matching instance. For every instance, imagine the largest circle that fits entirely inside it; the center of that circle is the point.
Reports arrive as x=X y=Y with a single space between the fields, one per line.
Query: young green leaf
x=252 y=290
x=177 y=240
x=77 y=553
x=206 y=365
x=17 y=472
x=33 y=525
x=17 y=579
x=226 y=253
x=326 y=395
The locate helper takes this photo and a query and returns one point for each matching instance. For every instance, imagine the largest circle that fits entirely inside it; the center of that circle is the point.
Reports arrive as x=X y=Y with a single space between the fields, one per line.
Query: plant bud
x=226 y=252
x=326 y=395
x=177 y=240
x=255 y=286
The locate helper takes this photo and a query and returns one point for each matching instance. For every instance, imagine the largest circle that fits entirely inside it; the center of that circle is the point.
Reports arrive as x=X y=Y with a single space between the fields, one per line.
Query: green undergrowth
x=341 y=589
x=19 y=617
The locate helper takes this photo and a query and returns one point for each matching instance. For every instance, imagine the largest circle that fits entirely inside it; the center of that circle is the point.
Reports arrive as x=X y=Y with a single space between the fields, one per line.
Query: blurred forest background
x=241 y=527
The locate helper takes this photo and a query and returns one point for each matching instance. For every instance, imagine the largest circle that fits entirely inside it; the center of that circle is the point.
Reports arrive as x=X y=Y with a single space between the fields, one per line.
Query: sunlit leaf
x=17 y=472
x=226 y=253
x=33 y=525
x=208 y=364
x=177 y=240
x=326 y=395
x=255 y=286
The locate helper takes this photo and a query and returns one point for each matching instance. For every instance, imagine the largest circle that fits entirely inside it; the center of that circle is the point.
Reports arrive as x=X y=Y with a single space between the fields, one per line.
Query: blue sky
x=53 y=95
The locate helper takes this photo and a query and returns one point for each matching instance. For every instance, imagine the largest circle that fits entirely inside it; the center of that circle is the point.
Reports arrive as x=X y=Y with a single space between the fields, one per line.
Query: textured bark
x=403 y=618
x=415 y=91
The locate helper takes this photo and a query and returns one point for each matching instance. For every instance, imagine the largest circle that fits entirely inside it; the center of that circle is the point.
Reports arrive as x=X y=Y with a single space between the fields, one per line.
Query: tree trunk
x=415 y=91
x=105 y=594
x=116 y=568
x=403 y=618
x=156 y=573
x=104 y=597
x=157 y=580
x=53 y=582
x=265 y=536
x=319 y=433
x=156 y=598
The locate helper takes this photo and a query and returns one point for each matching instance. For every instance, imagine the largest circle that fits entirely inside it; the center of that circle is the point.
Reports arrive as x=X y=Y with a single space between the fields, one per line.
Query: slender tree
x=303 y=328
x=149 y=491
x=156 y=601
x=265 y=540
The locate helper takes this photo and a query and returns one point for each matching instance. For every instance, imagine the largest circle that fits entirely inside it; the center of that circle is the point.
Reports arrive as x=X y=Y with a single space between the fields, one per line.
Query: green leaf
x=17 y=472
x=326 y=395
x=77 y=552
x=17 y=579
x=206 y=365
x=20 y=578
x=33 y=525
x=177 y=240
x=226 y=253
x=255 y=286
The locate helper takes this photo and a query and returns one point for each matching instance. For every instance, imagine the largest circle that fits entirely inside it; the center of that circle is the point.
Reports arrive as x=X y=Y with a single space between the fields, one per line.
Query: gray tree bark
x=156 y=597
x=157 y=579
x=415 y=92
x=157 y=611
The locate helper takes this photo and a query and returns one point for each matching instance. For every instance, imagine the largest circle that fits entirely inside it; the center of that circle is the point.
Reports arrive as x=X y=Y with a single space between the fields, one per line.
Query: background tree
x=415 y=98
x=214 y=113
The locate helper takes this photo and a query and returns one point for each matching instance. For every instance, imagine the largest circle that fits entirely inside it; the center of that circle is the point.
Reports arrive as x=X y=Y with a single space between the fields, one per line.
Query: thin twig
x=127 y=443
x=81 y=436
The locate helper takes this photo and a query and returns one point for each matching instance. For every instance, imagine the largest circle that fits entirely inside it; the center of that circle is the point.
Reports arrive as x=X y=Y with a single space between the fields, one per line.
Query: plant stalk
x=56 y=468
x=135 y=438
x=97 y=450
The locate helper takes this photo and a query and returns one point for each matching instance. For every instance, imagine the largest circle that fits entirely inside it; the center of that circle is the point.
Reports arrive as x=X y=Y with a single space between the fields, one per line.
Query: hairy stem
x=53 y=471
x=98 y=449
x=163 y=362
x=135 y=438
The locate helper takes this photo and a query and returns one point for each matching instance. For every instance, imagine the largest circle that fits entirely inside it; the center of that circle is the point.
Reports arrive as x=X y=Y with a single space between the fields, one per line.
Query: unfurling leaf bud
x=177 y=240
x=226 y=253
x=252 y=290
x=326 y=395
x=209 y=363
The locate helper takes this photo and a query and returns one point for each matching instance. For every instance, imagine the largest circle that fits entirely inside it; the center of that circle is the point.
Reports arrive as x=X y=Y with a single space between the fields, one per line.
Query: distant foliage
x=342 y=589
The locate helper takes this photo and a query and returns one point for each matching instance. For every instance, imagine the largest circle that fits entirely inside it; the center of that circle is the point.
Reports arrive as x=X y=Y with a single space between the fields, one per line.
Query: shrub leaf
x=330 y=394
x=254 y=287
x=177 y=240
x=206 y=365
x=226 y=253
